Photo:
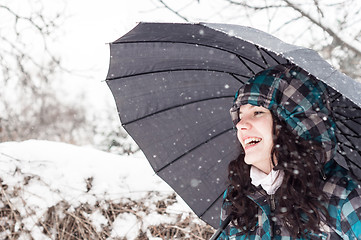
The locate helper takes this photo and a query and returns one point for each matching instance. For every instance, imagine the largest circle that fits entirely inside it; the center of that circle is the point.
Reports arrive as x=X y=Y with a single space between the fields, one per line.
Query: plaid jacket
x=344 y=207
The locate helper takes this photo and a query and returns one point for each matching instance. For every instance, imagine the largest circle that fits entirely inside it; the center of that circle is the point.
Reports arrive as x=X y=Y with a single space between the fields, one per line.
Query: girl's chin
x=250 y=161
x=257 y=162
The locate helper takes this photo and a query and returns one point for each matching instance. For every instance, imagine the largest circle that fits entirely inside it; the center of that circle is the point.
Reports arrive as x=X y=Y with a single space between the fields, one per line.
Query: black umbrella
x=174 y=85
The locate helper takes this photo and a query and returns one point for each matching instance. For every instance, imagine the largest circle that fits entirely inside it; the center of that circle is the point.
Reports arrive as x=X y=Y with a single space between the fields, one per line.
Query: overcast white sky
x=90 y=26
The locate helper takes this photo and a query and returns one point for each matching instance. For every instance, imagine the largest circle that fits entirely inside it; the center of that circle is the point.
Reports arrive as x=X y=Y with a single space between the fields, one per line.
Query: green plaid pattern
x=344 y=207
x=294 y=96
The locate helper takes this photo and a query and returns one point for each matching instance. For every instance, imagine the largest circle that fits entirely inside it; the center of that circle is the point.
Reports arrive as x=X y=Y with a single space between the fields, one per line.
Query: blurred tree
x=110 y=136
x=34 y=99
x=331 y=27
x=32 y=104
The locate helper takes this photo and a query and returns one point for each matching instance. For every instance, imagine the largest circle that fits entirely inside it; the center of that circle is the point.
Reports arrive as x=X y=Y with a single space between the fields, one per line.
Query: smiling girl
x=254 y=132
x=286 y=184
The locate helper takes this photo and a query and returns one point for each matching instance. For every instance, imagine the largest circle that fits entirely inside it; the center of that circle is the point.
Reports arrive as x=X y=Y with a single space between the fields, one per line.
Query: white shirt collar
x=269 y=182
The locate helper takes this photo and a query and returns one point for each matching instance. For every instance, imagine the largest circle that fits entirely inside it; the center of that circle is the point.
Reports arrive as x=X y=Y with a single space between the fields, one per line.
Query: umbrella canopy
x=174 y=85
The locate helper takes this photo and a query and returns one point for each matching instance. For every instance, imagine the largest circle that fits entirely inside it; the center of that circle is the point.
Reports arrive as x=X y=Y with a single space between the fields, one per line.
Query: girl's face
x=255 y=133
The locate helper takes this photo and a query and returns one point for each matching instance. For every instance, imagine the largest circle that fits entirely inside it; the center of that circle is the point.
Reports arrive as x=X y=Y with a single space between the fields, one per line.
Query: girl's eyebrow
x=253 y=106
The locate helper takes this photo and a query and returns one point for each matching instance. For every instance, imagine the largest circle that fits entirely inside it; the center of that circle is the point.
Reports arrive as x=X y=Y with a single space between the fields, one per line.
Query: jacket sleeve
x=350 y=215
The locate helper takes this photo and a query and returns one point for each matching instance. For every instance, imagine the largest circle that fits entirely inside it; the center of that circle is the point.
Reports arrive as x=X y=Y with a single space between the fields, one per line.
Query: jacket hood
x=295 y=96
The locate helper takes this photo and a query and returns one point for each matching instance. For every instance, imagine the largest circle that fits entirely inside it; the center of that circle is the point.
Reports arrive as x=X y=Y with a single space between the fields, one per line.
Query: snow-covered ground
x=38 y=175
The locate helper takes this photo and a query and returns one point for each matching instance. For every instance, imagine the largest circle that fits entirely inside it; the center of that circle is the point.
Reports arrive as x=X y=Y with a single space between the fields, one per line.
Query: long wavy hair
x=298 y=200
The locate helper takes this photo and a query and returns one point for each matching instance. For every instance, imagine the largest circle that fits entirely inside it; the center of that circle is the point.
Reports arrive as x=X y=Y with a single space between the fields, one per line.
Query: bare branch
x=243 y=4
x=173 y=10
x=318 y=8
x=42 y=29
x=337 y=38
x=288 y=22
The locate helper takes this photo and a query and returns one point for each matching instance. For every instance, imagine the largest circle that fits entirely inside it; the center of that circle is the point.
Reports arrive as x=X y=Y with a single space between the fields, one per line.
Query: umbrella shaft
x=221 y=228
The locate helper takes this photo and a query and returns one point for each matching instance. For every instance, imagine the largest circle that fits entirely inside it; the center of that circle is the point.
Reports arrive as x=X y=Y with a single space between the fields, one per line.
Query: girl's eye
x=258 y=113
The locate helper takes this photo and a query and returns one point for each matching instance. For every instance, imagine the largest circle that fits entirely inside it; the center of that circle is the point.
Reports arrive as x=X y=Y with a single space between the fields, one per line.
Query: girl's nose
x=243 y=124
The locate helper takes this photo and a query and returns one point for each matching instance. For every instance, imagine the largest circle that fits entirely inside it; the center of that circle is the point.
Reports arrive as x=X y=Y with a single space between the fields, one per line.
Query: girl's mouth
x=251 y=141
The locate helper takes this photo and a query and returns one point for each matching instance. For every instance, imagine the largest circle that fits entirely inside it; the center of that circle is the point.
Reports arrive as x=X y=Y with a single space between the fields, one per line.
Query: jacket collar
x=261 y=198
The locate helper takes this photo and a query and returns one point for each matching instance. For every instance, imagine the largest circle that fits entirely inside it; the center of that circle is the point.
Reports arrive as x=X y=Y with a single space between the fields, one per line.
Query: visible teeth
x=251 y=141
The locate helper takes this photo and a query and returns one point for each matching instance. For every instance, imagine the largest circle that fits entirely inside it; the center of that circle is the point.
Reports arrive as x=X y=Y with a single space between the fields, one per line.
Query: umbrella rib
x=344 y=107
x=209 y=207
x=348 y=159
x=345 y=118
x=333 y=96
x=190 y=150
x=353 y=119
x=350 y=135
x=233 y=75
x=176 y=106
x=198 y=44
x=244 y=63
x=272 y=57
x=176 y=70
x=344 y=123
x=351 y=147
x=263 y=58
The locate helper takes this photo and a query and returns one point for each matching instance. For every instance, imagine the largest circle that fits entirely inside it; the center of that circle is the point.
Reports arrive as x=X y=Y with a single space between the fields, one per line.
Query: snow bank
x=117 y=196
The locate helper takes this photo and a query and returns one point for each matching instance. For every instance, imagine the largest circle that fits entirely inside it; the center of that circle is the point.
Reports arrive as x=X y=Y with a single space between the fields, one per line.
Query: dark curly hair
x=298 y=200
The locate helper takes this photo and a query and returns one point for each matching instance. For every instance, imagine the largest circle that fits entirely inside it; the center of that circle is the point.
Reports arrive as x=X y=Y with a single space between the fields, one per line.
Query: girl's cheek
x=239 y=137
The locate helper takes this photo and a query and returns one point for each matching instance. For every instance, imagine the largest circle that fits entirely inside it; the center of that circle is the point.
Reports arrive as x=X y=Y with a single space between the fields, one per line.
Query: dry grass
x=65 y=222
x=181 y=230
